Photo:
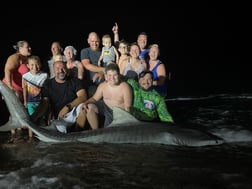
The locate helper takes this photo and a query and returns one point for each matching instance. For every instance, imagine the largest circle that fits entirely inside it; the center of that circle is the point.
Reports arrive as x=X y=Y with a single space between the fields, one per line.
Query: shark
x=125 y=128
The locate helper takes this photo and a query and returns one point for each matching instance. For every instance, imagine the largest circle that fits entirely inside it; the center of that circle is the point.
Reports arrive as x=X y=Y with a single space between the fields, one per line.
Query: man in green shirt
x=148 y=104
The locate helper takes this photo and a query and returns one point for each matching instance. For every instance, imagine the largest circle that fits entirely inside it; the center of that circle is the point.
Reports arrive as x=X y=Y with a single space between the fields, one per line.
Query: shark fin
x=120 y=117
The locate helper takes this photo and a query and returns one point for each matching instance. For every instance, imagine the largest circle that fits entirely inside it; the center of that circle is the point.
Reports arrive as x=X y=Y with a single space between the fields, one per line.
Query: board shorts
x=68 y=121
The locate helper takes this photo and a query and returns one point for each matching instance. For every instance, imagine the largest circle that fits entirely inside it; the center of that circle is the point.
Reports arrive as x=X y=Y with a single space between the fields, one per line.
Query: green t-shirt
x=148 y=105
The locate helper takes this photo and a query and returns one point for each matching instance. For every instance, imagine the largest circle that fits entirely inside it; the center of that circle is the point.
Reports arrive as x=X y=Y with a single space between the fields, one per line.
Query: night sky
x=201 y=46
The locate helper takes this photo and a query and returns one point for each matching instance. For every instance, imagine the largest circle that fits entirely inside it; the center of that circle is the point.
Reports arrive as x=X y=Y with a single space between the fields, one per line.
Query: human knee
x=92 y=108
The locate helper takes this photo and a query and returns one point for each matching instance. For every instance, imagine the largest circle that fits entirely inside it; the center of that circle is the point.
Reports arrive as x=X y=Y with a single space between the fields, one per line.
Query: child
x=58 y=57
x=32 y=82
x=123 y=52
x=109 y=53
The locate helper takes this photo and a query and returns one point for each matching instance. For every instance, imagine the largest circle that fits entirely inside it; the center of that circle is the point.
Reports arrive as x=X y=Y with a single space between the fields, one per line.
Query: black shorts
x=105 y=111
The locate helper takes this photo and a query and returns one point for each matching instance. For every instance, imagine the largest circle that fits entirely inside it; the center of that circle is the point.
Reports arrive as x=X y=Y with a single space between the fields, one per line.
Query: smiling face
x=25 y=49
x=34 y=64
x=154 y=52
x=145 y=81
x=56 y=48
x=93 y=41
x=142 y=41
x=112 y=75
x=134 y=51
x=123 y=48
x=70 y=53
x=60 y=70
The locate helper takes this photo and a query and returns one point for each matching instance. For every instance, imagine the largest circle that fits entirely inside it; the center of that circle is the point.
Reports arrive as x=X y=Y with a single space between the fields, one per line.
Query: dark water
x=80 y=165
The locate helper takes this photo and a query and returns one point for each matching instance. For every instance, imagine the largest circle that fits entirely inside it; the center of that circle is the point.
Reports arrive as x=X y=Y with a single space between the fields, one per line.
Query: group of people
x=74 y=94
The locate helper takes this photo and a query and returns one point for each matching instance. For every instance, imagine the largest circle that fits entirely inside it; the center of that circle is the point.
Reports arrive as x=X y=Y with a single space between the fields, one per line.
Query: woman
x=74 y=66
x=158 y=69
x=15 y=67
x=132 y=66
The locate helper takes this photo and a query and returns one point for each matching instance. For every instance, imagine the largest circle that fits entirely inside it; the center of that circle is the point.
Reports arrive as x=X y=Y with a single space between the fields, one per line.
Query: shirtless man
x=112 y=92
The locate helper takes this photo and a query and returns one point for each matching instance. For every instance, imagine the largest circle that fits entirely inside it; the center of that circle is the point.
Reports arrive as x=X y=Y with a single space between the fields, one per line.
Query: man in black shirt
x=64 y=96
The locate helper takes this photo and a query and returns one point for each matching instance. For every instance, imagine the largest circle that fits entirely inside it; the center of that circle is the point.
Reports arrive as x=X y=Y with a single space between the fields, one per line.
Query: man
x=142 y=40
x=112 y=92
x=148 y=104
x=64 y=95
x=89 y=59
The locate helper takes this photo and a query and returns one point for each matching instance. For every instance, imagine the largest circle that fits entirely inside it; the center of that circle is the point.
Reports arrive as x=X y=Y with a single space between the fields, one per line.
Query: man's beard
x=144 y=89
x=61 y=76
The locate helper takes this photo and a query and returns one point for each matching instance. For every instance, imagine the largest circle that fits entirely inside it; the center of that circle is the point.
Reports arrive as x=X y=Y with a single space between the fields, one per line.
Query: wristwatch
x=69 y=107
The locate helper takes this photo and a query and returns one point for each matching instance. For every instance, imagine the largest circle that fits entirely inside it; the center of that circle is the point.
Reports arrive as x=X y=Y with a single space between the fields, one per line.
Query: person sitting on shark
x=64 y=95
x=148 y=104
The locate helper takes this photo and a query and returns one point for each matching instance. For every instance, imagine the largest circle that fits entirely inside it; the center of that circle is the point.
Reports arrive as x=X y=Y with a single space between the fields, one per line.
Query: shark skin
x=17 y=110
x=125 y=128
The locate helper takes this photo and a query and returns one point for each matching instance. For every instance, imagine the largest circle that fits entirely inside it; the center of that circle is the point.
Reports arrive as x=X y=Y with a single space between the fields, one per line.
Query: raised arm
x=117 y=56
x=115 y=30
